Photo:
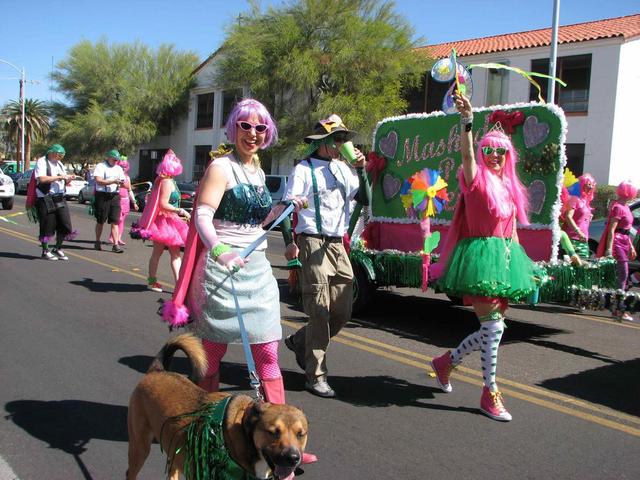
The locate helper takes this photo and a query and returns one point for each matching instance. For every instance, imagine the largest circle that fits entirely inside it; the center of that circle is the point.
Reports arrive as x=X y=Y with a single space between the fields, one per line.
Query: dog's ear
x=252 y=417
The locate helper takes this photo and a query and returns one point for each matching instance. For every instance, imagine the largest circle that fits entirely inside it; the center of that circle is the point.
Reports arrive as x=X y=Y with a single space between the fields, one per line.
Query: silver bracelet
x=466 y=120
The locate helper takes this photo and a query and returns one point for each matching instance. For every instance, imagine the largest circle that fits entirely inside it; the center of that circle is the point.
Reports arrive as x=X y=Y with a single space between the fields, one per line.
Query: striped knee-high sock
x=468 y=345
x=491 y=334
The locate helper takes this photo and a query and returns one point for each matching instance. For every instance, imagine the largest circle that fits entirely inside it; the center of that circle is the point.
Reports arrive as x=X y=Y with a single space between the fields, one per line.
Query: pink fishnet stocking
x=264 y=354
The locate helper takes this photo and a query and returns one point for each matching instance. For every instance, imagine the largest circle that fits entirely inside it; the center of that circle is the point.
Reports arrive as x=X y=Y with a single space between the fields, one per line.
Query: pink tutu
x=169 y=230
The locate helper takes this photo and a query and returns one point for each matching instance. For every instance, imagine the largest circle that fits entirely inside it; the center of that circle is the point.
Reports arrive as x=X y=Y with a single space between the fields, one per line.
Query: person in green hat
x=51 y=179
x=109 y=176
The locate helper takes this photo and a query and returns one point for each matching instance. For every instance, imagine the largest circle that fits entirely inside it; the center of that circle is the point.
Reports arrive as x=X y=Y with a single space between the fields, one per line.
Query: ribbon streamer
x=524 y=73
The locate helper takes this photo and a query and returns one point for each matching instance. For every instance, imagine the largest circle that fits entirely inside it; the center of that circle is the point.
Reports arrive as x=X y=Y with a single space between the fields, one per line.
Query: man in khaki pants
x=326 y=278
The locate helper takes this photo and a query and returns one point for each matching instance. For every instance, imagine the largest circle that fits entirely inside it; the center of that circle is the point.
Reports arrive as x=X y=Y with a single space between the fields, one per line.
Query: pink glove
x=204 y=225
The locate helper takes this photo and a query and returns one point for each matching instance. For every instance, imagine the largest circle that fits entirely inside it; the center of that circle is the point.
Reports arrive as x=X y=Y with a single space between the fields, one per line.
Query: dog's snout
x=289 y=457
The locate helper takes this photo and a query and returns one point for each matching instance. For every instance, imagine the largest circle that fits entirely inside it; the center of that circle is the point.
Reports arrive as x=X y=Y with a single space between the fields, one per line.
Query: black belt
x=325 y=238
x=623 y=231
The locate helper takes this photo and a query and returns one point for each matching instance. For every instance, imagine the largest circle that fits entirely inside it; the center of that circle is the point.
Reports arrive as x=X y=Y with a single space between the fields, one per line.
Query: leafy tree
x=119 y=95
x=316 y=57
x=36 y=124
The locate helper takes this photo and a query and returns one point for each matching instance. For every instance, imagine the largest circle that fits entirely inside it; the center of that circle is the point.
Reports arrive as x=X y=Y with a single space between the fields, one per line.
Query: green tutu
x=489 y=267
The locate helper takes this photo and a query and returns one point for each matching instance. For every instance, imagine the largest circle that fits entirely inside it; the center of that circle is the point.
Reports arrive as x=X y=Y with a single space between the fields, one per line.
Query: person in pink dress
x=482 y=259
x=126 y=199
x=163 y=221
x=616 y=239
x=577 y=214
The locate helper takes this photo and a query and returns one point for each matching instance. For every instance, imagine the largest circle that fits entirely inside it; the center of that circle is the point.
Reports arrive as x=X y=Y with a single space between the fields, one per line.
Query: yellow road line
x=15 y=214
x=603 y=320
x=359 y=342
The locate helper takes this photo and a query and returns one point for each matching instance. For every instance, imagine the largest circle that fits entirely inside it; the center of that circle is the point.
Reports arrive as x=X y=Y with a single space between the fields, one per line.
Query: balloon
x=466 y=89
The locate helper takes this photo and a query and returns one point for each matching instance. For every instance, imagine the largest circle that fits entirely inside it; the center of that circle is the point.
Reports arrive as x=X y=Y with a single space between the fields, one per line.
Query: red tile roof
x=626 y=27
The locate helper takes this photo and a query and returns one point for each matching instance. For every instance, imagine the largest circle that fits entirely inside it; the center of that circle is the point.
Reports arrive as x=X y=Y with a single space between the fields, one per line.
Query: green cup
x=348 y=152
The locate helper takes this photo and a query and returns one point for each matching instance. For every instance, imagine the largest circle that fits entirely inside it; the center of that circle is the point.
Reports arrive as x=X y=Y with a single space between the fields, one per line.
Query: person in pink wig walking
x=616 y=238
x=483 y=261
x=126 y=200
x=163 y=221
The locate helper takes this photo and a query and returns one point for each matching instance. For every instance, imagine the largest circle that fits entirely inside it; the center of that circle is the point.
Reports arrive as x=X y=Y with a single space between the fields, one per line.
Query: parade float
x=412 y=168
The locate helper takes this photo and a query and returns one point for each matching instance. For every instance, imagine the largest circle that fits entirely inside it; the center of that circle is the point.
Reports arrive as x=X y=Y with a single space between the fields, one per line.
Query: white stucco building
x=599 y=61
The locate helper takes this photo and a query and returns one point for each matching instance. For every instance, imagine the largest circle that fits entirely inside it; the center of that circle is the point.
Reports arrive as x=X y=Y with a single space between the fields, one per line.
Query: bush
x=605 y=194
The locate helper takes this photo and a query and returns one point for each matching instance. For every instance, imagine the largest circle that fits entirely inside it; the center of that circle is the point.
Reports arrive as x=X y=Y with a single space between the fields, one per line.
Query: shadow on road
x=140 y=363
x=599 y=384
x=18 y=256
x=69 y=425
x=103 y=287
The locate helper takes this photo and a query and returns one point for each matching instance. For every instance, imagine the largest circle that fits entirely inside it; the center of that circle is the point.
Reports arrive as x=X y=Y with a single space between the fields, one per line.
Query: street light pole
x=22 y=83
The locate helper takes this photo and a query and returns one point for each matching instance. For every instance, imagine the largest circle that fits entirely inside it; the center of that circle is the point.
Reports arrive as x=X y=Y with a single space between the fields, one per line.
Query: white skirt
x=212 y=306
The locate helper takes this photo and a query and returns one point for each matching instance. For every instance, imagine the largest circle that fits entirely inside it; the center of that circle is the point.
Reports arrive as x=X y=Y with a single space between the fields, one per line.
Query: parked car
x=187 y=194
x=14 y=177
x=73 y=188
x=23 y=182
x=140 y=192
x=597 y=227
x=87 y=192
x=7 y=191
x=276 y=184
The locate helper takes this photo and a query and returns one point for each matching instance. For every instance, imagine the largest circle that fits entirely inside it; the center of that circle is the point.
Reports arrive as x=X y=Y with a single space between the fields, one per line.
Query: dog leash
x=254 y=379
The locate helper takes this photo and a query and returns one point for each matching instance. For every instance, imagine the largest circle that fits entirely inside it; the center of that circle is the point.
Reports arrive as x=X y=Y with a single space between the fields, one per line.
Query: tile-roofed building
x=627 y=27
x=598 y=61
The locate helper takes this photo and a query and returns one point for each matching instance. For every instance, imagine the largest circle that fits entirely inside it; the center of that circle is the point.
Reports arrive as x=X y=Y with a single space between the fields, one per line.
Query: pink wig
x=242 y=111
x=124 y=165
x=584 y=179
x=170 y=165
x=626 y=191
x=513 y=187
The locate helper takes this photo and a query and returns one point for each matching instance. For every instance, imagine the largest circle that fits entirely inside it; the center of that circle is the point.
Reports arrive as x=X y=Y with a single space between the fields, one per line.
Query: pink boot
x=273 y=389
x=210 y=383
x=442 y=367
x=492 y=406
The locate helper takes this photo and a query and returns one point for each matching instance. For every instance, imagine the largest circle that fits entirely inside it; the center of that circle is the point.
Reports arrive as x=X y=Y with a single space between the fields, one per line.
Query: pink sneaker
x=491 y=405
x=442 y=367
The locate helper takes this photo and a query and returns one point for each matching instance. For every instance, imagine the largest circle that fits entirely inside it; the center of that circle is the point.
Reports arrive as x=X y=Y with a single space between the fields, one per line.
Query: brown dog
x=264 y=439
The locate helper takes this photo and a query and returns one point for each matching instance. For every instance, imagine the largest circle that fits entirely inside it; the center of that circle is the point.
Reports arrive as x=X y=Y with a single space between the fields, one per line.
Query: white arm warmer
x=204 y=226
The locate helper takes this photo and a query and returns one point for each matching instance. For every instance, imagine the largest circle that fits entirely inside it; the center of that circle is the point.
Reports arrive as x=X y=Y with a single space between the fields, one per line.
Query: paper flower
x=571 y=183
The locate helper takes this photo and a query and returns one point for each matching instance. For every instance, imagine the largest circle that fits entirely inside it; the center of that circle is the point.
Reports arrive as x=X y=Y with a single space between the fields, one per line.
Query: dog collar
x=206 y=456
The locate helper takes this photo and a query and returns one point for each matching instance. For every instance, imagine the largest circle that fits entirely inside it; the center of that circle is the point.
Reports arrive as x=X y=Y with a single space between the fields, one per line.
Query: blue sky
x=36 y=34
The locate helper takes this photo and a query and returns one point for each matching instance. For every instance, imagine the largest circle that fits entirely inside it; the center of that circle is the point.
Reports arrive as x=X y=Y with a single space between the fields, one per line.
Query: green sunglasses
x=490 y=150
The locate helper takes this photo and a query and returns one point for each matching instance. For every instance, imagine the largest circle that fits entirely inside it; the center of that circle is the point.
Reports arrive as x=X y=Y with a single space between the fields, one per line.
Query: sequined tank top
x=244 y=203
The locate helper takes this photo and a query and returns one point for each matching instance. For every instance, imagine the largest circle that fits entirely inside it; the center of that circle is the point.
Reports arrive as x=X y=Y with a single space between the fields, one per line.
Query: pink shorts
x=471 y=299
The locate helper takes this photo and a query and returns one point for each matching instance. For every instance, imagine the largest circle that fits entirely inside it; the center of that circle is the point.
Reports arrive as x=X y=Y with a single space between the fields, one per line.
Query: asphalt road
x=78 y=335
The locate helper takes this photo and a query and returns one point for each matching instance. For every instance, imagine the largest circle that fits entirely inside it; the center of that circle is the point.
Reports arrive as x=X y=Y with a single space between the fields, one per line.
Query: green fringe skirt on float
x=489 y=267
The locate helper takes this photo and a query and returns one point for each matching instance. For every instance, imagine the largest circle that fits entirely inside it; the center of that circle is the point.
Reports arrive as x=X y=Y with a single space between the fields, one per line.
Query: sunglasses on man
x=258 y=127
x=490 y=150
x=340 y=137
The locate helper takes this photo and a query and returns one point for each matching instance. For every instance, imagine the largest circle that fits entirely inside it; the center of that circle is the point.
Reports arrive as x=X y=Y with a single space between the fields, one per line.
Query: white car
x=73 y=188
x=7 y=191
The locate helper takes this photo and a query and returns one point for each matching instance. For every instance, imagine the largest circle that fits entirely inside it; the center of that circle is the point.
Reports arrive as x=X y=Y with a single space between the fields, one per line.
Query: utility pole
x=22 y=82
x=551 y=90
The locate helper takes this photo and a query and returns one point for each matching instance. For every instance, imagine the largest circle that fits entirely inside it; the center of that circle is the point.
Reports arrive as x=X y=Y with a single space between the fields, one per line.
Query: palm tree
x=36 y=124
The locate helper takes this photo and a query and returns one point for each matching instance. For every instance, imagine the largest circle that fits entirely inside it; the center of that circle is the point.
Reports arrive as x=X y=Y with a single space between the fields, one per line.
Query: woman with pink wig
x=616 y=239
x=484 y=263
x=231 y=204
x=163 y=221
x=576 y=217
x=126 y=199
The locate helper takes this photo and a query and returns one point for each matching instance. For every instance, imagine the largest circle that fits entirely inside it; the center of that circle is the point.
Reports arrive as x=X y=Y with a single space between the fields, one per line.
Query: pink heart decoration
x=389 y=144
x=390 y=186
x=534 y=132
x=537 y=196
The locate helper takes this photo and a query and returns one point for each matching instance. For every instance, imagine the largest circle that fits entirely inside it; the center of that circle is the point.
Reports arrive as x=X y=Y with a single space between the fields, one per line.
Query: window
x=415 y=97
x=229 y=99
x=575 y=71
x=497 y=85
x=435 y=94
x=575 y=157
x=204 y=117
x=201 y=161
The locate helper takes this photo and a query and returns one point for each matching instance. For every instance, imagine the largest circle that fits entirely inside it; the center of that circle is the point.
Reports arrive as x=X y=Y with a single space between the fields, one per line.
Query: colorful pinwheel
x=424 y=194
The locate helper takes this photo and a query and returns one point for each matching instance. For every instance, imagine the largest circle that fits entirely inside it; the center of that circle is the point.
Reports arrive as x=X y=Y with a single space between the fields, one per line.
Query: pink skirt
x=169 y=229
